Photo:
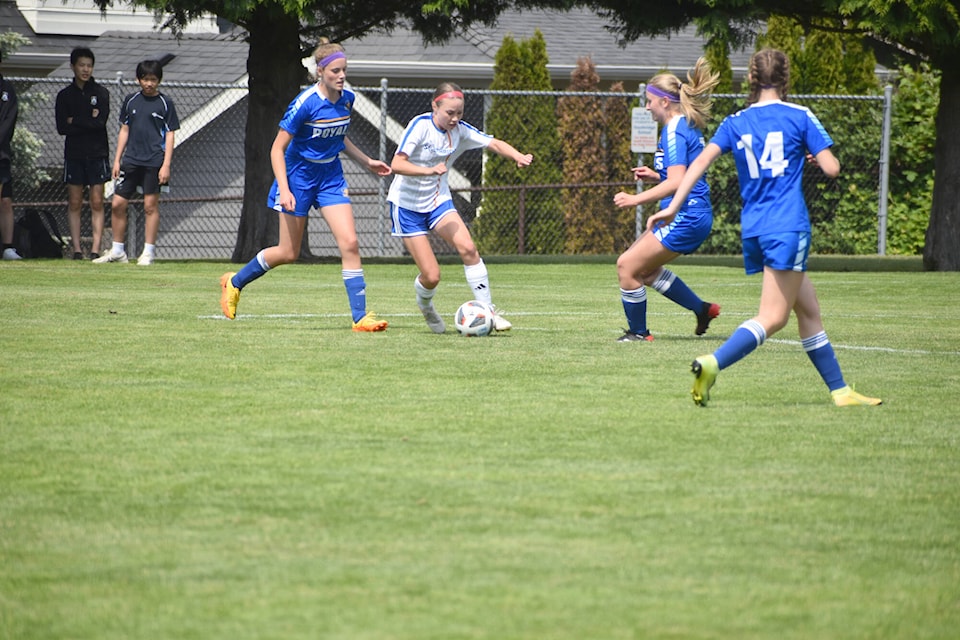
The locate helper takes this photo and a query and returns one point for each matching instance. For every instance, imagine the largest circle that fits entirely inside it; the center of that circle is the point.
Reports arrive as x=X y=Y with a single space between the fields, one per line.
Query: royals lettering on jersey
x=769 y=141
x=426 y=146
x=317 y=125
x=680 y=144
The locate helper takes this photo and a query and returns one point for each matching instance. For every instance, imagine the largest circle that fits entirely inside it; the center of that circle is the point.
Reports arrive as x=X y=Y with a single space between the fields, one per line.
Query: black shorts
x=86 y=171
x=134 y=176
x=6 y=179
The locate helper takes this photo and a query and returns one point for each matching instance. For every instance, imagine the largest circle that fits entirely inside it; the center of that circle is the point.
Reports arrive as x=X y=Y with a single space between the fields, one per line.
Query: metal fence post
x=522 y=220
x=382 y=186
x=884 y=171
x=638 y=216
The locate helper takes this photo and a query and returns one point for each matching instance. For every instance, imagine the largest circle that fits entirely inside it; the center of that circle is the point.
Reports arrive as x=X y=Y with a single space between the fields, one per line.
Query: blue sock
x=821 y=354
x=253 y=270
x=744 y=340
x=635 y=308
x=356 y=292
x=673 y=288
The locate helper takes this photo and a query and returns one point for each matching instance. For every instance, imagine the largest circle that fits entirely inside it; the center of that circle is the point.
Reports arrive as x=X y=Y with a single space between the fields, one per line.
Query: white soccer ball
x=474 y=318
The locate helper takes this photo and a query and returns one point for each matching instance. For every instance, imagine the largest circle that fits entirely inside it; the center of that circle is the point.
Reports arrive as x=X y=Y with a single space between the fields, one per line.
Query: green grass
x=165 y=473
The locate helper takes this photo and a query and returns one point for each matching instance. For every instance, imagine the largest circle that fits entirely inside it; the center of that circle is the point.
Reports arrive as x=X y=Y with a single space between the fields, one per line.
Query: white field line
x=797 y=343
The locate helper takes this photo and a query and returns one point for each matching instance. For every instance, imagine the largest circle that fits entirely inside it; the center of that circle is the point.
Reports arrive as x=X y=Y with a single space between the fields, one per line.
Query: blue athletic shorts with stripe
x=313 y=184
x=406 y=223
x=687 y=231
x=786 y=251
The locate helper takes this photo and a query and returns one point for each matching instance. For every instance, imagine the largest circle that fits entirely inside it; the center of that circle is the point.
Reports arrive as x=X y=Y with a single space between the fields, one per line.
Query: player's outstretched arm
x=378 y=167
x=506 y=150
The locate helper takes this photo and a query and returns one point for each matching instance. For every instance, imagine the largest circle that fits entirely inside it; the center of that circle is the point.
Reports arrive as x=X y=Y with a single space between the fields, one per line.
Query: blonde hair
x=323 y=49
x=694 y=95
x=769 y=69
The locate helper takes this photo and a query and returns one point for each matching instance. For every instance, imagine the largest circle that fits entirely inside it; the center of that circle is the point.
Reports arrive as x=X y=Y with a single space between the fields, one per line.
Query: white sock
x=149 y=249
x=117 y=248
x=478 y=280
x=424 y=295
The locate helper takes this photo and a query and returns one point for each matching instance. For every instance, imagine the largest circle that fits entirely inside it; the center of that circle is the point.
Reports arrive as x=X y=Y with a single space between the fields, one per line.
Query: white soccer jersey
x=425 y=146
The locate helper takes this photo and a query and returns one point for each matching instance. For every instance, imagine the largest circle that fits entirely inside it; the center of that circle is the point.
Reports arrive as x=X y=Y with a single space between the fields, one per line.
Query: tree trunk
x=942 y=249
x=275 y=77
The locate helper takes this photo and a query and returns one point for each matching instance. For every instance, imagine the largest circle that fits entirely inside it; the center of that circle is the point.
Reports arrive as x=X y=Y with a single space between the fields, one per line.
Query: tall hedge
x=587 y=212
x=529 y=124
x=911 y=159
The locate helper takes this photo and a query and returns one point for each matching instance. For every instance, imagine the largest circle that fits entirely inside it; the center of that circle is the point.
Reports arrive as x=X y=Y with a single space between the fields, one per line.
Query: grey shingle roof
x=468 y=57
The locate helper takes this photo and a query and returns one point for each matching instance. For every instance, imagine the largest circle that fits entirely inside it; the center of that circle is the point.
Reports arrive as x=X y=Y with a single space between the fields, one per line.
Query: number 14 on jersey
x=772 y=158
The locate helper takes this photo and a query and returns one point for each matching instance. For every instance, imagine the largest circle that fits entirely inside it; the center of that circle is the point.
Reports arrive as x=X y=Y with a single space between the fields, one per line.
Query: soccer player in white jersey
x=306 y=164
x=682 y=110
x=770 y=141
x=420 y=198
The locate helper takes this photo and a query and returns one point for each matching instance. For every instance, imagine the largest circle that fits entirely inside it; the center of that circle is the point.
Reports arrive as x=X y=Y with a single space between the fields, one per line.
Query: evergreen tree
x=617 y=129
x=587 y=212
x=529 y=124
x=821 y=60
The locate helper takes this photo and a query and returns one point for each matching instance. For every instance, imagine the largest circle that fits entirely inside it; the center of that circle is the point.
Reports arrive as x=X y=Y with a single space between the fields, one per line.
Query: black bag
x=37 y=235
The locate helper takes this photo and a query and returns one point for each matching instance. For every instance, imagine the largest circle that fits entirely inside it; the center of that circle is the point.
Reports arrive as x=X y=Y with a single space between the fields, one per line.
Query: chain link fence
x=562 y=204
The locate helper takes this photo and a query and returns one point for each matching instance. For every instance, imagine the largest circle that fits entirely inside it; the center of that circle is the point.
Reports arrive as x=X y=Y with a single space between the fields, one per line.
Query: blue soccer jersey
x=680 y=144
x=770 y=141
x=317 y=125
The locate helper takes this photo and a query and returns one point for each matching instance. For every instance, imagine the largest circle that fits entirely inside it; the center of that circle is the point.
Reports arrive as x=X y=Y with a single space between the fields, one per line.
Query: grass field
x=166 y=473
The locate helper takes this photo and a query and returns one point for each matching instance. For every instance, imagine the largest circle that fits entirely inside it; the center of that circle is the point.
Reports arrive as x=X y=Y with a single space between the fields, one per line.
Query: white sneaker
x=110 y=256
x=11 y=254
x=499 y=322
x=434 y=321
x=145 y=260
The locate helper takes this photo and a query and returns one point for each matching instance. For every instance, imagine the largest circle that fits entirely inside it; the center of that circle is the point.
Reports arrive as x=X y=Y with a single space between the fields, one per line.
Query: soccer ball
x=474 y=318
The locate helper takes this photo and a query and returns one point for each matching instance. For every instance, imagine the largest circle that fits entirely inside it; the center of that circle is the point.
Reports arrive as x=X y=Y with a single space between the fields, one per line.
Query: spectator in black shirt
x=8 y=119
x=82 y=110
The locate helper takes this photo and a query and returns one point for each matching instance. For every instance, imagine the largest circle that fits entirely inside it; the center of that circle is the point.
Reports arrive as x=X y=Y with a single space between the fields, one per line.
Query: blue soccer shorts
x=406 y=223
x=313 y=184
x=687 y=231
x=786 y=251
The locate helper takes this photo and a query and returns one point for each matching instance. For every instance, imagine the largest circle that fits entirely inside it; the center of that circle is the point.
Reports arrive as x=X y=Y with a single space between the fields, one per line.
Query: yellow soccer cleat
x=705 y=370
x=229 y=296
x=370 y=322
x=847 y=397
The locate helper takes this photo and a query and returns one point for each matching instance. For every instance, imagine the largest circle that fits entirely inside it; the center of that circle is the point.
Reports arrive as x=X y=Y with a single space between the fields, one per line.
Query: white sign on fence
x=643 y=131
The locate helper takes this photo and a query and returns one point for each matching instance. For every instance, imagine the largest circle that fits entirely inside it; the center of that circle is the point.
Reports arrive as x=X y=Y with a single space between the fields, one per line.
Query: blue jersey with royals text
x=680 y=144
x=770 y=141
x=317 y=125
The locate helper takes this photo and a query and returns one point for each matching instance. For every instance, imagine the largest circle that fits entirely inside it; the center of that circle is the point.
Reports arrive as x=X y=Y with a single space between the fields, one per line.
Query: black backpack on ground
x=37 y=235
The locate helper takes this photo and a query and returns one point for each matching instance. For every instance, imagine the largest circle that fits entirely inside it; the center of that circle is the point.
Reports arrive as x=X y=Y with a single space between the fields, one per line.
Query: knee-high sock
x=356 y=288
x=479 y=281
x=675 y=289
x=424 y=295
x=744 y=340
x=251 y=271
x=821 y=354
x=635 y=308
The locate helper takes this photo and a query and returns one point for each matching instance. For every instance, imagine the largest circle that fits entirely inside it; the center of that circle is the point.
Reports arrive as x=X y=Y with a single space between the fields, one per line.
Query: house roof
x=469 y=55
x=400 y=56
x=43 y=52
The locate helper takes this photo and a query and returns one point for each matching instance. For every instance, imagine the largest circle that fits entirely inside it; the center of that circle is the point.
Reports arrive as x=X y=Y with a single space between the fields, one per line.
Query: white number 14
x=772 y=158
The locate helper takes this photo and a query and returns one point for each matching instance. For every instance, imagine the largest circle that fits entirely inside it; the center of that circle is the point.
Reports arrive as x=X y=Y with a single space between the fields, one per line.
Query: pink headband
x=448 y=94
x=663 y=94
x=336 y=55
